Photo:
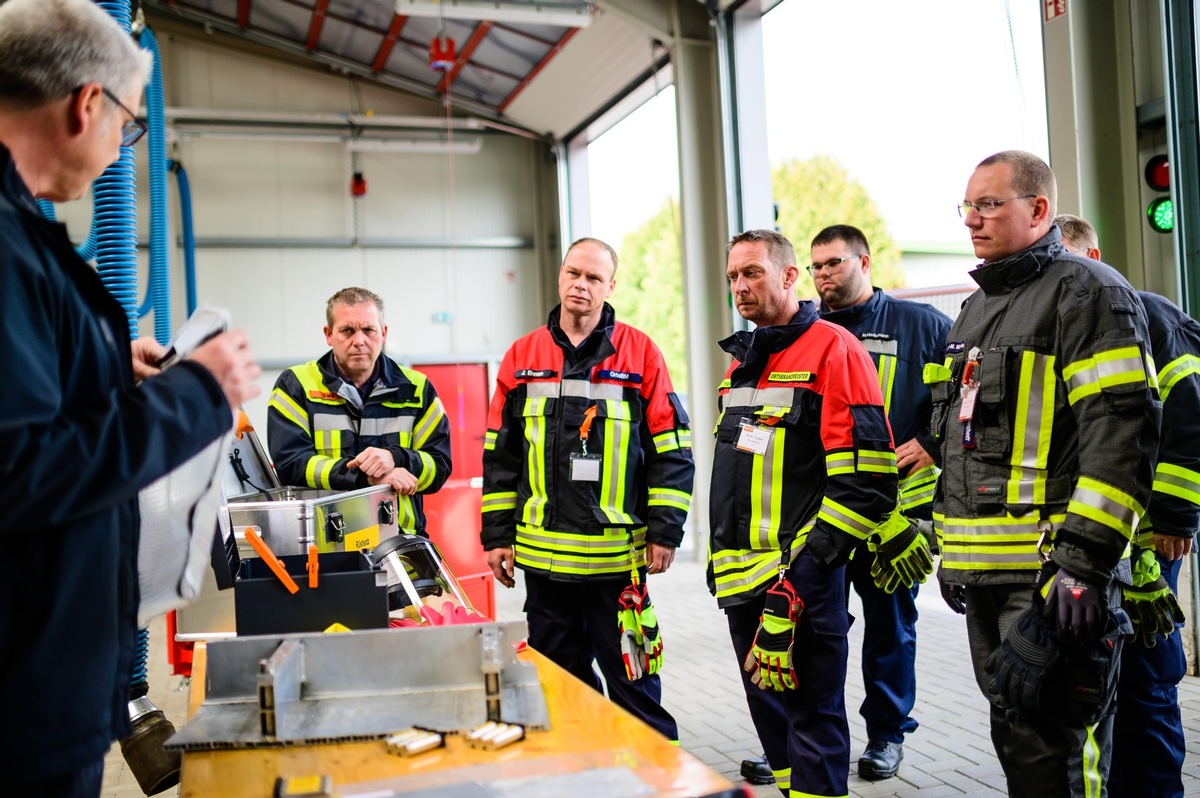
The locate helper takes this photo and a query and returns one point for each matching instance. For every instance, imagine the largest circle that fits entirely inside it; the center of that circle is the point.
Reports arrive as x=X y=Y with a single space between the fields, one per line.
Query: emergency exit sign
x=1055 y=8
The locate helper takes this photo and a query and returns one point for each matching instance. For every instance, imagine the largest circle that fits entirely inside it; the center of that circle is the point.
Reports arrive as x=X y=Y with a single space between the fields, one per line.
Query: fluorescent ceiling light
x=563 y=13
x=463 y=146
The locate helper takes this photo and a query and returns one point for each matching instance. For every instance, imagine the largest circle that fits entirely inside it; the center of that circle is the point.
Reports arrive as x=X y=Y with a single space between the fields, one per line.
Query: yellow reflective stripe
x=428 y=470
x=918 y=487
x=845 y=519
x=569 y=553
x=1093 y=781
x=288 y=408
x=1144 y=539
x=741 y=571
x=1032 y=428
x=489 y=440
x=666 y=441
x=1107 y=505
x=1175 y=371
x=772 y=411
x=1004 y=543
x=428 y=423
x=406 y=514
x=534 y=510
x=317 y=471
x=876 y=462
x=839 y=463
x=612 y=473
x=500 y=500
x=669 y=497
x=685 y=438
x=766 y=492
x=1122 y=366
x=1177 y=481
x=887 y=380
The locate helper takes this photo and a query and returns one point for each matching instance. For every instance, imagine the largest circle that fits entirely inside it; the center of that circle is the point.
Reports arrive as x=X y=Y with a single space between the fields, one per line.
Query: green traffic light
x=1161 y=213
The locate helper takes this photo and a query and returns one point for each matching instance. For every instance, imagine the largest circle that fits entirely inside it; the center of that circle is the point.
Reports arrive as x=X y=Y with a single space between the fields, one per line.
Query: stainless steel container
x=289 y=519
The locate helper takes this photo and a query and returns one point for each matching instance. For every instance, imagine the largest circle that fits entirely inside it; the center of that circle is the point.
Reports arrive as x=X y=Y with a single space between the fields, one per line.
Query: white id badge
x=966 y=411
x=754 y=439
x=585 y=467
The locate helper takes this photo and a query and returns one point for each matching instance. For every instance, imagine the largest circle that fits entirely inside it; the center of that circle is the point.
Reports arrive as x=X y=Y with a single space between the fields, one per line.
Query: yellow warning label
x=363 y=539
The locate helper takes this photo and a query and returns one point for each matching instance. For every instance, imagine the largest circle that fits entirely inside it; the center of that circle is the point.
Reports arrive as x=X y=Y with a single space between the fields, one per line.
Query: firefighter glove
x=769 y=662
x=954 y=595
x=1149 y=601
x=641 y=640
x=1079 y=607
x=901 y=554
x=1021 y=665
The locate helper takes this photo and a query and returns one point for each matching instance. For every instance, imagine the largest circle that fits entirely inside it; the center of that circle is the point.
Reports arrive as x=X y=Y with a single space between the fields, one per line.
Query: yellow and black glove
x=901 y=554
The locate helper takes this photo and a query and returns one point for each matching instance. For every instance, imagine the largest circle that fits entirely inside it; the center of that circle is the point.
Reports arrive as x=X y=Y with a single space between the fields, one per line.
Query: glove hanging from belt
x=769 y=662
x=1021 y=666
x=901 y=553
x=637 y=624
x=1149 y=601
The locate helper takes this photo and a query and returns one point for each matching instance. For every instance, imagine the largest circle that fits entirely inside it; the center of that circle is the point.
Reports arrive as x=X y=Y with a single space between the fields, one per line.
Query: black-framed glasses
x=133 y=130
x=830 y=266
x=986 y=208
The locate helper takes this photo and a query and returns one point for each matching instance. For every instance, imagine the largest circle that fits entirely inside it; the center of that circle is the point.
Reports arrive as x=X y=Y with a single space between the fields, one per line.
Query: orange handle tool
x=270 y=559
x=313 y=565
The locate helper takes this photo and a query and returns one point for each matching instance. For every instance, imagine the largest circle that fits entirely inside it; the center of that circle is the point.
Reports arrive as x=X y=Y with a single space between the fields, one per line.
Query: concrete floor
x=949 y=755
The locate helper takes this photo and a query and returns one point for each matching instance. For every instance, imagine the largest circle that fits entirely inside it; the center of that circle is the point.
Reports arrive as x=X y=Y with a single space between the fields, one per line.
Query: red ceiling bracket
x=243 y=14
x=477 y=37
x=315 y=25
x=566 y=37
x=389 y=41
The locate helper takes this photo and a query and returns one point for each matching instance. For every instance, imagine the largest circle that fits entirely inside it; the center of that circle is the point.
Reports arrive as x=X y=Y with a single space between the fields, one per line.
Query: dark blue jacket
x=77 y=441
x=901 y=337
x=1175 y=338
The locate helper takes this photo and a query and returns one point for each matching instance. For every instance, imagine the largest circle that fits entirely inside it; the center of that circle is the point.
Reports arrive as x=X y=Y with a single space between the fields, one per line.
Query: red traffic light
x=1158 y=173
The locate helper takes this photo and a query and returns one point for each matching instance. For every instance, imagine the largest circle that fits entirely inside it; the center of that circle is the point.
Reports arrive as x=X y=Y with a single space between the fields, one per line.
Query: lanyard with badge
x=753 y=438
x=969 y=392
x=585 y=467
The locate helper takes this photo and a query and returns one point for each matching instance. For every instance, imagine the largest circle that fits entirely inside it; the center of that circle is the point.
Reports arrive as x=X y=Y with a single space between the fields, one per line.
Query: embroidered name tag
x=534 y=374
x=326 y=395
x=877 y=336
x=954 y=347
x=791 y=376
x=623 y=376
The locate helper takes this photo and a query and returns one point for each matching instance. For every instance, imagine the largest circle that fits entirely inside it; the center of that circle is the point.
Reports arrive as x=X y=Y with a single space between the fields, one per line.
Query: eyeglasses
x=133 y=130
x=986 y=208
x=830 y=266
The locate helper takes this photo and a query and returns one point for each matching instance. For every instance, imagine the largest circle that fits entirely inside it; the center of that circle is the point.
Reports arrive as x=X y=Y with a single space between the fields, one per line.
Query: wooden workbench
x=586 y=731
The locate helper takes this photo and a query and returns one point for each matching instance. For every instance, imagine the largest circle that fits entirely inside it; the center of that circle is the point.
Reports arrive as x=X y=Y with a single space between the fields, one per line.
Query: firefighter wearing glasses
x=1048 y=420
x=587 y=481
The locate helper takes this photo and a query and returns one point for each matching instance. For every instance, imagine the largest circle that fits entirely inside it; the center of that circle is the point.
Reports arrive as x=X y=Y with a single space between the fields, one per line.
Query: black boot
x=757 y=771
x=881 y=760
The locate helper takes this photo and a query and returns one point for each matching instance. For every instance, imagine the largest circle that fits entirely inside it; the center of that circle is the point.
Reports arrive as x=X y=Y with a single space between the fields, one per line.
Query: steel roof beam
x=314 y=27
x=389 y=41
x=566 y=37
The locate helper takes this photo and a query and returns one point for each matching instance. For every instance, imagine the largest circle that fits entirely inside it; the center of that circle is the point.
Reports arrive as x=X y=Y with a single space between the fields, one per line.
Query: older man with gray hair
x=78 y=437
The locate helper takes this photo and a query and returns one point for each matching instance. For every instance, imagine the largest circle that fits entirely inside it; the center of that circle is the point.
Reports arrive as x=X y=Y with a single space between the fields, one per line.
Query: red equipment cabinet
x=454 y=514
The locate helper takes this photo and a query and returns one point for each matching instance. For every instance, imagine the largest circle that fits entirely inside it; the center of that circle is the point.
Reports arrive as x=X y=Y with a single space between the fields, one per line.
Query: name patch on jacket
x=623 y=376
x=326 y=395
x=954 y=347
x=534 y=374
x=791 y=376
x=877 y=336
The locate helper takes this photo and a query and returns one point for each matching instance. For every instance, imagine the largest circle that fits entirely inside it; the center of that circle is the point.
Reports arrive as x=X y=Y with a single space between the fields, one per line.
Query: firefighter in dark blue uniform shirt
x=1148 y=739
x=901 y=337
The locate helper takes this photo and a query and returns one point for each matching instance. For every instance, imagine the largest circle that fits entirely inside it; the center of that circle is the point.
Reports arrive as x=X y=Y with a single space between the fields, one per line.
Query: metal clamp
x=335 y=527
x=387 y=512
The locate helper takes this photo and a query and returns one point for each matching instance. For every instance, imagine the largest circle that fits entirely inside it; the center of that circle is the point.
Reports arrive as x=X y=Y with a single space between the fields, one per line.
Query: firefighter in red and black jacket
x=587 y=472
x=804 y=470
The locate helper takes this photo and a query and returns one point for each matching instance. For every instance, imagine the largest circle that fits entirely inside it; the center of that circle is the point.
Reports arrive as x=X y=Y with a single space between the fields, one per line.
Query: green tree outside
x=818 y=192
x=812 y=194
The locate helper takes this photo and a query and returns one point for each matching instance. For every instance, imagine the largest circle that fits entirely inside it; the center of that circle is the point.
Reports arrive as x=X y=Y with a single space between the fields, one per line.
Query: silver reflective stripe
x=879 y=347
x=758 y=397
x=326 y=422
x=386 y=426
x=586 y=390
x=612 y=486
x=541 y=390
x=1031 y=429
